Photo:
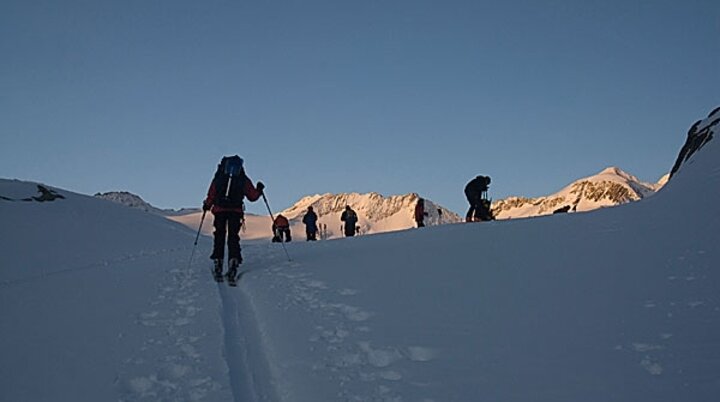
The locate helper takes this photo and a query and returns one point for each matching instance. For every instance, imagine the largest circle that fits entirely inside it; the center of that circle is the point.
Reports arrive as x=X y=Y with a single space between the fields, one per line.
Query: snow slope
x=610 y=187
x=256 y=226
x=617 y=304
x=97 y=304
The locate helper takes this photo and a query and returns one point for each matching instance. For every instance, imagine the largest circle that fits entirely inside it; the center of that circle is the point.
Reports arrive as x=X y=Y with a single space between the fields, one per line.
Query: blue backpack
x=230 y=182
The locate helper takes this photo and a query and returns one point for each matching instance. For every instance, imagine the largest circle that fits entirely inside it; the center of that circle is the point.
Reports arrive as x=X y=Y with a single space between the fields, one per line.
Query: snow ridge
x=135 y=201
x=699 y=134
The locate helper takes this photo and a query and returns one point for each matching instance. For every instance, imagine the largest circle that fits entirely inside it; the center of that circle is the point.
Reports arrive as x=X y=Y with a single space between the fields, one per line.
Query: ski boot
x=232 y=271
x=217 y=269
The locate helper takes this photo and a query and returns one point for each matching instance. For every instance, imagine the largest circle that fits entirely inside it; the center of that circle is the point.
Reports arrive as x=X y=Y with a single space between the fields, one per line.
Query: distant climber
x=323 y=231
x=281 y=229
x=225 y=200
x=476 y=193
x=349 y=217
x=310 y=221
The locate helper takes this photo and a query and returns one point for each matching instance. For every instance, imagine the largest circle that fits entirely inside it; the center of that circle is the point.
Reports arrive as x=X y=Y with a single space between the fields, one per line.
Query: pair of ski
x=231 y=277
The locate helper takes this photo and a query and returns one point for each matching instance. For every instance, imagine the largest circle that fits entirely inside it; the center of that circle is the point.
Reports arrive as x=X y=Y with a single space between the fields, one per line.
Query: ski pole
x=197 y=236
x=273 y=219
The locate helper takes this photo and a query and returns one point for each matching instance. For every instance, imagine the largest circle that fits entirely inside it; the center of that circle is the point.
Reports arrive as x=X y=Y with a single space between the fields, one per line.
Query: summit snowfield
x=101 y=302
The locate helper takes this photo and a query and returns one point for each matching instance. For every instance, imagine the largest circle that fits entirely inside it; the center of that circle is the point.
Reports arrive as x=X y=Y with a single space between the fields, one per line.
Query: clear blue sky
x=339 y=96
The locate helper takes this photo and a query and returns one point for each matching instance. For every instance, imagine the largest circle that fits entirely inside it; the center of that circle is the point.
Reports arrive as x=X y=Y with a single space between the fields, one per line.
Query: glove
x=206 y=206
x=260 y=186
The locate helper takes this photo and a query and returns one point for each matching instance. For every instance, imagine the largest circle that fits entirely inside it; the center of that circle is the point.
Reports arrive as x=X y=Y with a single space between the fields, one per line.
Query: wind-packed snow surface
x=619 y=304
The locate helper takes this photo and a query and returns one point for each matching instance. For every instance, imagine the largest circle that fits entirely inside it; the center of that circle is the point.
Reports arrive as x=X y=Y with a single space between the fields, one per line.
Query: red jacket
x=249 y=192
x=281 y=221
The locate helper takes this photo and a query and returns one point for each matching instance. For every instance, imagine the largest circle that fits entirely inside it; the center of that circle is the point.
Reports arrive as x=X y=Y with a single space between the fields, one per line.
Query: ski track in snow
x=169 y=364
x=351 y=359
x=250 y=376
x=178 y=370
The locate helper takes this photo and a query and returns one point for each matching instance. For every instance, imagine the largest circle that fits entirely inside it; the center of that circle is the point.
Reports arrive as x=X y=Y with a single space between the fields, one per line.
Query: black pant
x=231 y=222
x=478 y=210
x=280 y=232
x=311 y=233
x=472 y=213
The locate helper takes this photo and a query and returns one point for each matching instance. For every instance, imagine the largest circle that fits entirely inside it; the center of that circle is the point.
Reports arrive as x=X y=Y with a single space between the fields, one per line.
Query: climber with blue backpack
x=225 y=200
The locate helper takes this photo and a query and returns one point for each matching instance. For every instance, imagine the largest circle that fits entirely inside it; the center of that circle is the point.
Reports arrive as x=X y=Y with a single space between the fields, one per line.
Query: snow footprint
x=648 y=362
x=314 y=284
x=347 y=292
x=652 y=367
x=352 y=313
x=150 y=319
x=420 y=354
x=379 y=358
x=334 y=335
x=644 y=347
x=390 y=375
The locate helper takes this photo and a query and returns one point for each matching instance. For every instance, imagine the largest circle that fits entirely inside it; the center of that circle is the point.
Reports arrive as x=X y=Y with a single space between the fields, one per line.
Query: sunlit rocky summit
x=610 y=187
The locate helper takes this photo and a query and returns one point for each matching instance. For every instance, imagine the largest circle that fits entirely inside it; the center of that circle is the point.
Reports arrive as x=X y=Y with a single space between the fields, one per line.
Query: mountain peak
x=613 y=170
x=126 y=198
x=617 y=172
x=610 y=187
x=135 y=201
x=377 y=213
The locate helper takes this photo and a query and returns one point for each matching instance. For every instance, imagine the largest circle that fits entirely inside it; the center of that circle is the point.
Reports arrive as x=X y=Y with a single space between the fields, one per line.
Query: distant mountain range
x=378 y=213
x=135 y=201
x=610 y=187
